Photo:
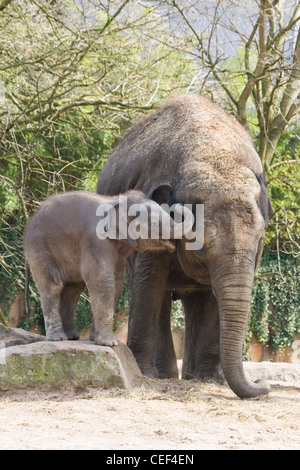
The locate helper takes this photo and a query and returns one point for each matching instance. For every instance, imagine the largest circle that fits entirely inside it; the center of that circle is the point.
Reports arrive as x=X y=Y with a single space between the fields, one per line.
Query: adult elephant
x=206 y=157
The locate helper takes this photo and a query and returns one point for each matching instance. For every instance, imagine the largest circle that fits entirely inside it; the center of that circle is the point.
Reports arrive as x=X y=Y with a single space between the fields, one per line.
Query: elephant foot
x=148 y=371
x=166 y=375
x=150 y=375
x=105 y=340
x=56 y=336
x=218 y=380
x=167 y=371
x=72 y=336
x=216 y=375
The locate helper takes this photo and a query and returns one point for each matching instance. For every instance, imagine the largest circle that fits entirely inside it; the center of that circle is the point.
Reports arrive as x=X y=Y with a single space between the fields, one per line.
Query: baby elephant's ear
x=106 y=227
x=114 y=228
x=161 y=194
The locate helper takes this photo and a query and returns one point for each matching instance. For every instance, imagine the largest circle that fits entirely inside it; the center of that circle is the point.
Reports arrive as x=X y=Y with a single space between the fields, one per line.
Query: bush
x=275 y=313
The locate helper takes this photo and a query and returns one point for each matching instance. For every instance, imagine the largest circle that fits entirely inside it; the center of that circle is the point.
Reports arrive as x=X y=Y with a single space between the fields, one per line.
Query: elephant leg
x=201 y=358
x=148 y=280
x=50 y=291
x=102 y=296
x=68 y=303
x=166 y=362
x=50 y=300
x=119 y=283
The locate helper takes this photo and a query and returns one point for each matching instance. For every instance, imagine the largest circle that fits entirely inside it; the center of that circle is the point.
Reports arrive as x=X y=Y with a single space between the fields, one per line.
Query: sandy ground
x=163 y=415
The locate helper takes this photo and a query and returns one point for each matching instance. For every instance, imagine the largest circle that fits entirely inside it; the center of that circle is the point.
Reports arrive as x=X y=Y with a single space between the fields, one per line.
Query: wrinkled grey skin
x=65 y=255
x=207 y=157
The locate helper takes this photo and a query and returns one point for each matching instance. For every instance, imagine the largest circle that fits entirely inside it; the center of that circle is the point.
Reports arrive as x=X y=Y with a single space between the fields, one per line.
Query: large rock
x=60 y=364
x=14 y=336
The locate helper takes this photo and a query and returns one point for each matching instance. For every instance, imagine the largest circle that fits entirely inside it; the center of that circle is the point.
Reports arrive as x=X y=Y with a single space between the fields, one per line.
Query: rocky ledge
x=28 y=360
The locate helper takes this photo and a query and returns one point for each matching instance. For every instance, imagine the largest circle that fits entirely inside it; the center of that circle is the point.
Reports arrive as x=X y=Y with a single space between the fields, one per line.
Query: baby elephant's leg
x=50 y=300
x=50 y=291
x=68 y=303
x=102 y=303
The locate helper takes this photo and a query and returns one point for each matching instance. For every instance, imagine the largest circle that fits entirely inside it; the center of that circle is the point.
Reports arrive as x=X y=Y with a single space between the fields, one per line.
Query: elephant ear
x=161 y=194
x=114 y=225
x=264 y=200
x=106 y=227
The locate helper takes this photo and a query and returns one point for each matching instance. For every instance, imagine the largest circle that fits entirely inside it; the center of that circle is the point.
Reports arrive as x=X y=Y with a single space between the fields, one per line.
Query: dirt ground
x=162 y=415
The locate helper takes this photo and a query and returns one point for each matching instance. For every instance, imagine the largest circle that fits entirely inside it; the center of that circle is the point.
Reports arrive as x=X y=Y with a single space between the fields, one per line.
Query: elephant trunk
x=232 y=281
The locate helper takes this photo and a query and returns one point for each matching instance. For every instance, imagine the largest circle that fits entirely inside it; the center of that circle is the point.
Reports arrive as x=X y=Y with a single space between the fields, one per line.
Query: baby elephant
x=67 y=247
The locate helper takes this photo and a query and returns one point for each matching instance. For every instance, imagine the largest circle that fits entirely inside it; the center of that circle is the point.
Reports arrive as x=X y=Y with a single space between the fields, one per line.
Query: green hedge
x=275 y=307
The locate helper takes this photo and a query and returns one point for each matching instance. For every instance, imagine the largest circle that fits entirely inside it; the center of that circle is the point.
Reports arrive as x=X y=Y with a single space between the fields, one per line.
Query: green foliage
x=12 y=266
x=124 y=299
x=275 y=313
x=284 y=190
x=177 y=315
x=122 y=306
x=83 y=313
x=12 y=276
x=259 y=311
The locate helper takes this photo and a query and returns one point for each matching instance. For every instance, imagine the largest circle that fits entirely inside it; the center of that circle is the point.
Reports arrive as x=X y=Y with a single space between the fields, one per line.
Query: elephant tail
x=27 y=277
